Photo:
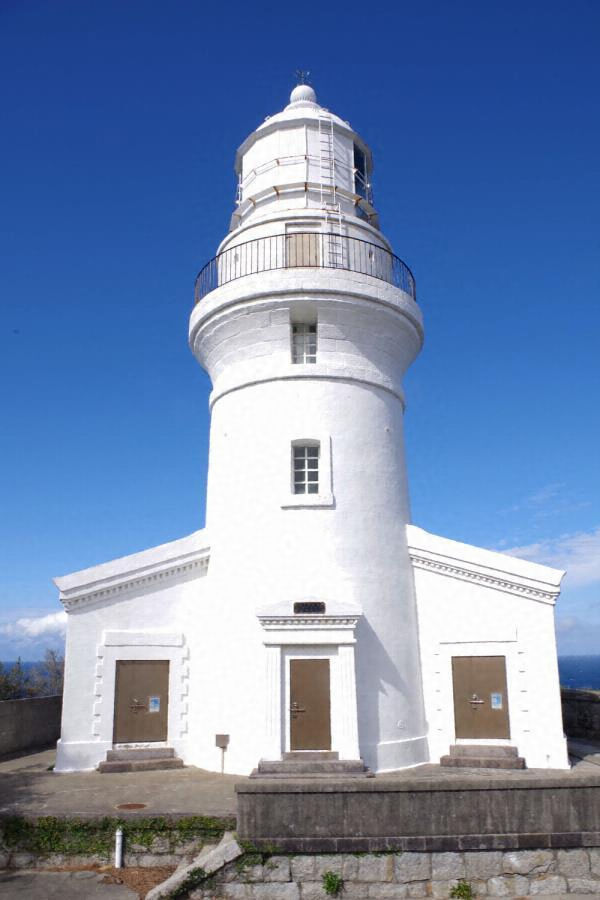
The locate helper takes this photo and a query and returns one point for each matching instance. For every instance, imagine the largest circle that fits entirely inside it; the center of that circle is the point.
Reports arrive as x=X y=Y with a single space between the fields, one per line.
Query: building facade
x=309 y=614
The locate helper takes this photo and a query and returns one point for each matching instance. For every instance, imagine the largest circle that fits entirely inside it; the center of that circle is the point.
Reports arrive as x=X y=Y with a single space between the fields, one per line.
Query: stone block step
x=483 y=762
x=302 y=755
x=140 y=765
x=482 y=750
x=137 y=753
x=311 y=776
x=294 y=768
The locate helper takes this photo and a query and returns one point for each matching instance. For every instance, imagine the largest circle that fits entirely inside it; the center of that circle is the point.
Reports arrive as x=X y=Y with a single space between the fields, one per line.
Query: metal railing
x=306 y=249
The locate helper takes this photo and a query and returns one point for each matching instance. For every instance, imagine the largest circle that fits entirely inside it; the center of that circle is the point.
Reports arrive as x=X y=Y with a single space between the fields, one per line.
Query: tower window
x=360 y=172
x=304 y=343
x=306 y=468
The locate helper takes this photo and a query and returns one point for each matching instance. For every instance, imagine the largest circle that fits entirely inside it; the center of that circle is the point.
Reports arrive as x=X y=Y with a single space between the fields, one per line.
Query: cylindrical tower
x=306 y=323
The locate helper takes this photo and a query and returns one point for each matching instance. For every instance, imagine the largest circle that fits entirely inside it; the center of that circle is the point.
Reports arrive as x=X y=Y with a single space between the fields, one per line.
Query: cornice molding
x=294 y=623
x=84 y=597
x=496 y=582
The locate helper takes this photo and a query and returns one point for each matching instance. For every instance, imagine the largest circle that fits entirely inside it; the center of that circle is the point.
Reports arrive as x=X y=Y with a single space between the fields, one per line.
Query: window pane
x=313 y=488
x=299 y=489
x=311 y=452
x=300 y=452
x=313 y=476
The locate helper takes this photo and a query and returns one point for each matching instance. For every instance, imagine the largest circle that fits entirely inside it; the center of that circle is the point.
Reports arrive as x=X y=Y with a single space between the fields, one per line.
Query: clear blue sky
x=120 y=121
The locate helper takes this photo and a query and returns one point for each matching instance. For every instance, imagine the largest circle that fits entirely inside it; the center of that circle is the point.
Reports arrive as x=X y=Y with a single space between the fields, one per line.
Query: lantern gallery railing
x=306 y=249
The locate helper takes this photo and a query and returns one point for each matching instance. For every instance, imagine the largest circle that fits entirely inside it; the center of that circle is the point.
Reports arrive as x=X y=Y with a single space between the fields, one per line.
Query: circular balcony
x=305 y=249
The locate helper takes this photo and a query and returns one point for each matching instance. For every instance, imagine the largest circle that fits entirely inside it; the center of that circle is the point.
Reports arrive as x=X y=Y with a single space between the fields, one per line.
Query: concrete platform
x=427 y=809
x=28 y=787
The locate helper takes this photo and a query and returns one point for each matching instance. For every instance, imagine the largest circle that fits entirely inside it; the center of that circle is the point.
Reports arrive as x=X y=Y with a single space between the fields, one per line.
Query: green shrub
x=462 y=889
x=332 y=884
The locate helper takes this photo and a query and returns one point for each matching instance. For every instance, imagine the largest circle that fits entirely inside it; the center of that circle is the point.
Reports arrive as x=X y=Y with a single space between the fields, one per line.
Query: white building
x=309 y=614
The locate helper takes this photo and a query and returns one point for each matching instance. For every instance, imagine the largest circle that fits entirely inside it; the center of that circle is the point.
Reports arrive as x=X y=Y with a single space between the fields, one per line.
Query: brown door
x=309 y=704
x=302 y=249
x=141 y=701
x=480 y=697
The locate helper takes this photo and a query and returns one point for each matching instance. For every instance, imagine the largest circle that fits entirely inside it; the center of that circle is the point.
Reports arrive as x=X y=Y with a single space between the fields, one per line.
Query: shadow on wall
x=29 y=724
x=581 y=714
x=376 y=673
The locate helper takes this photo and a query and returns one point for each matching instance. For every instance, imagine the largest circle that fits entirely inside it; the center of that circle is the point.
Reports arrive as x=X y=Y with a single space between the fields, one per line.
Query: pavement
x=29 y=787
x=64 y=885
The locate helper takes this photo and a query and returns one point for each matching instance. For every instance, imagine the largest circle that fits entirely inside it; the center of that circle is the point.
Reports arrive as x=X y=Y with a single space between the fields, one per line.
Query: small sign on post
x=222 y=741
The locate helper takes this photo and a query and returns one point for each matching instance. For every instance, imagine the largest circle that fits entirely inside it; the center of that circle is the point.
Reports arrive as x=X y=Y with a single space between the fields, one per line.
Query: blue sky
x=120 y=122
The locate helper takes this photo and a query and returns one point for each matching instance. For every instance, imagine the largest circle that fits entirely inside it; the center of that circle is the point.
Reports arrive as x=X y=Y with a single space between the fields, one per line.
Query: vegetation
x=96 y=837
x=463 y=889
x=43 y=679
x=194 y=879
x=332 y=884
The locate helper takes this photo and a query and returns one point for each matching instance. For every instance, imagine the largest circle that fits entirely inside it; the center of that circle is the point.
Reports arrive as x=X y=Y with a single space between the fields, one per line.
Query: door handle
x=135 y=706
x=296 y=708
x=475 y=701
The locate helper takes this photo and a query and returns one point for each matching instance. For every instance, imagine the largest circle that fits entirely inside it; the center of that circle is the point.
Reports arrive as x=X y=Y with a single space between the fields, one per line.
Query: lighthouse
x=306 y=322
x=310 y=625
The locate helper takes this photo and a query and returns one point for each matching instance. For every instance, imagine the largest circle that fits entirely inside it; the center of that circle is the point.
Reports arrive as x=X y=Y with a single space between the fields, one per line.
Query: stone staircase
x=311 y=764
x=141 y=759
x=481 y=756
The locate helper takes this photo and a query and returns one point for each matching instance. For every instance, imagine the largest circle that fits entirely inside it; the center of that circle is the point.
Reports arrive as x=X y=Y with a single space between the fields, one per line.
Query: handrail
x=304 y=249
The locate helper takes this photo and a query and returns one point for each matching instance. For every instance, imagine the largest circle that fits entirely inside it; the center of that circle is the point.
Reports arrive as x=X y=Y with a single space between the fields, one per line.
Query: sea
x=574 y=671
x=579 y=671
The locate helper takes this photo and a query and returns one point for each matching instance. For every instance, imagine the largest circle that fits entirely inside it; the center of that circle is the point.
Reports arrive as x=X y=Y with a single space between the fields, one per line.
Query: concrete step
x=483 y=762
x=301 y=755
x=141 y=765
x=293 y=768
x=482 y=750
x=139 y=753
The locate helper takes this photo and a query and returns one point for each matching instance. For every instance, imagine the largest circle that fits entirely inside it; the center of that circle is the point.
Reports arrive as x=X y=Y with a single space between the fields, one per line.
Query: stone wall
x=430 y=812
x=396 y=875
x=581 y=714
x=30 y=723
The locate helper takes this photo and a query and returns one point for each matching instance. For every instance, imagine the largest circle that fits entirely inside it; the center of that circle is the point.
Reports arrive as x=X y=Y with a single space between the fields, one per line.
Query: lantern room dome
x=303 y=93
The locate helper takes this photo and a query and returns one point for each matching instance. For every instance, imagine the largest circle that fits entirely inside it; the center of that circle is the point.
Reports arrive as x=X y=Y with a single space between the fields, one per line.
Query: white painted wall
x=146 y=606
x=475 y=602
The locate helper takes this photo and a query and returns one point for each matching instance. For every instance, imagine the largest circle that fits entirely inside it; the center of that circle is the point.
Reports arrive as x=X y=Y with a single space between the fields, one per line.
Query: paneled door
x=141 y=700
x=310 y=717
x=480 y=697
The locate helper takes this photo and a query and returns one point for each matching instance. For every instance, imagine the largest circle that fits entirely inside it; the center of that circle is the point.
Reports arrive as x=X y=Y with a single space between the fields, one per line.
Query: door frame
x=140 y=646
x=328 y=653
x=514 y=669
x=288 y=635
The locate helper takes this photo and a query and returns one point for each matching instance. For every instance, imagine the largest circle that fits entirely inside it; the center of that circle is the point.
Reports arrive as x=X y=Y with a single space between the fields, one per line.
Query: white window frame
x=324 y=498
x=304 y=357
x=305 y=466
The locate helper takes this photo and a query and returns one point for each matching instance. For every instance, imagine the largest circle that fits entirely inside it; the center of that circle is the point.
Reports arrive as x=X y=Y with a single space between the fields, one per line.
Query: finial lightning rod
x=302 y=76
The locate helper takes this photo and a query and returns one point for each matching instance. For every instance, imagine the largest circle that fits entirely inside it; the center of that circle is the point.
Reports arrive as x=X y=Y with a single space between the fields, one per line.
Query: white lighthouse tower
x=306 y=322
x=309 y=624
